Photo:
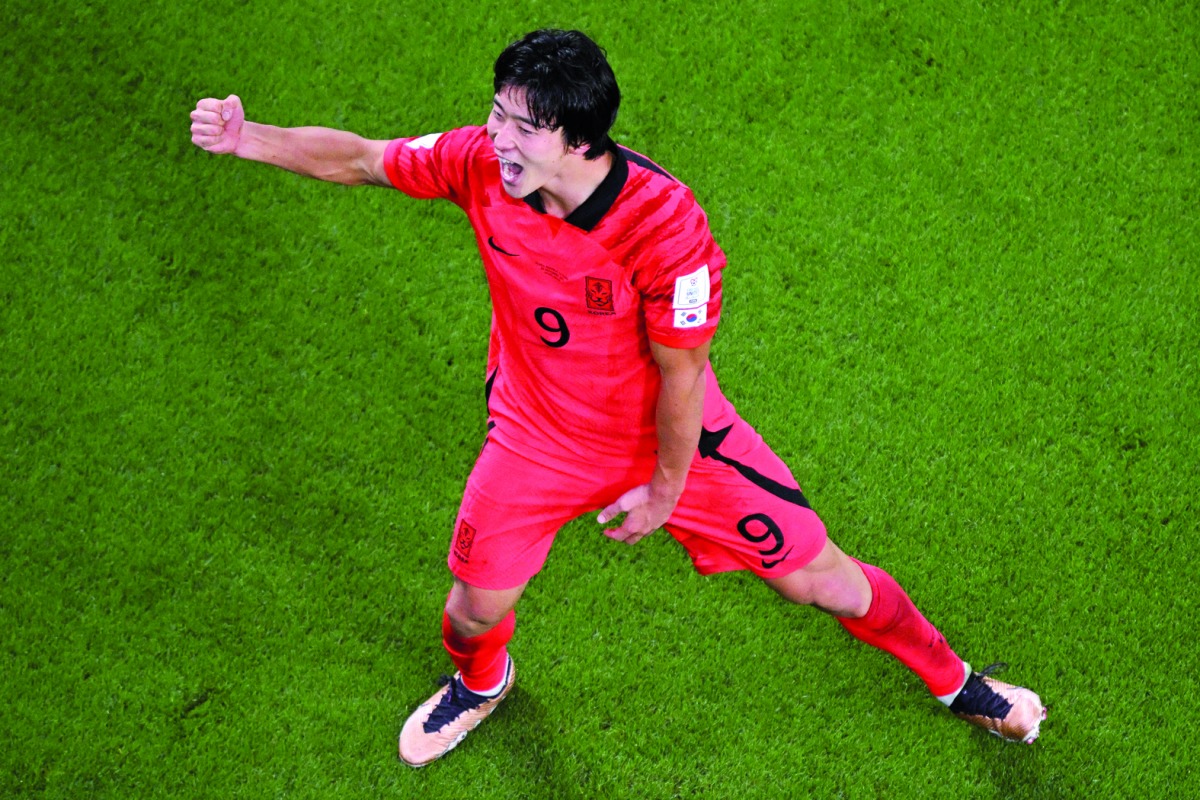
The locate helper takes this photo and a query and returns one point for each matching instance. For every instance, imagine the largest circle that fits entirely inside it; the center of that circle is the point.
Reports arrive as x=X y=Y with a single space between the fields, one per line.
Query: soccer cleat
x=1013 y=713
x=443 y=720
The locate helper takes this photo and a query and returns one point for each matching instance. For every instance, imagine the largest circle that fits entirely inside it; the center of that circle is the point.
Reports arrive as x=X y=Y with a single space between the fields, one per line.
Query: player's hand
x=644 y=513
x=217 y=124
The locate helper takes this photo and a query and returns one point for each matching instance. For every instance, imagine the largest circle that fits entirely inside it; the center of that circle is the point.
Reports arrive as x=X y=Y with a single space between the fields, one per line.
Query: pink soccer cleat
x=442 y=721
x=1013 y=713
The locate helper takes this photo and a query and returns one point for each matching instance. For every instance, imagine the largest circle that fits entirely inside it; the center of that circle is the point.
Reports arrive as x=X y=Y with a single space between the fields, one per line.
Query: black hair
x=568 y=84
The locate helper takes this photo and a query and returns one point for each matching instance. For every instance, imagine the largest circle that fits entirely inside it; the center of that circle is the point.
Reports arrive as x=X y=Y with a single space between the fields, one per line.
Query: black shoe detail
x=977 y=698
x=711 y=440
x=455 y=702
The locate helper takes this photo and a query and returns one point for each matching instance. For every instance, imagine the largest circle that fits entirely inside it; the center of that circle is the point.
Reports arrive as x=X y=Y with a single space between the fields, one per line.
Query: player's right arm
x=220 y=126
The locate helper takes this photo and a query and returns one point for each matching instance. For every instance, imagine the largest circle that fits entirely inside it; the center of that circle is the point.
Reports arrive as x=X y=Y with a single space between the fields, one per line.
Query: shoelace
x=453 y=703
x=978 y=699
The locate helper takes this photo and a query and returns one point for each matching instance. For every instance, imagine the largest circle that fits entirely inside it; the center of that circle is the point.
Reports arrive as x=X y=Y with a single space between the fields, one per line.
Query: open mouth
x=510 y=171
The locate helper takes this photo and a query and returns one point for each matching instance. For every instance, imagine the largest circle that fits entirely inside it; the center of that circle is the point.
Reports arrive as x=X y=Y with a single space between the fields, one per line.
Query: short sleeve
x=434 y=166
x=679 y=278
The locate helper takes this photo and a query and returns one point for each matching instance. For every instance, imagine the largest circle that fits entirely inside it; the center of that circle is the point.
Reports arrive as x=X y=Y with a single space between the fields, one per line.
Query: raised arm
x=220 y=126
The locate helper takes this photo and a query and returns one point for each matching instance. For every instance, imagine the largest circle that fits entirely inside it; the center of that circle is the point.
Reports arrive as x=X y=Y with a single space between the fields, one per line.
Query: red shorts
x=741 y=509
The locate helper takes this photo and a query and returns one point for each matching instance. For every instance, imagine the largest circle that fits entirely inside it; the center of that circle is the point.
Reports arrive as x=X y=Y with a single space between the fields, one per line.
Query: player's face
x=531 y=158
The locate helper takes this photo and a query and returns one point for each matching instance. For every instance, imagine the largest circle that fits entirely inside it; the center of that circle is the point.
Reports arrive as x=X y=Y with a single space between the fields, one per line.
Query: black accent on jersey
x=487 y=387
x=711 y=440
x=487 y=401
x=534 y=201
x=645 y=163
x=559 y=327
x=588 y=215
x=492 y=244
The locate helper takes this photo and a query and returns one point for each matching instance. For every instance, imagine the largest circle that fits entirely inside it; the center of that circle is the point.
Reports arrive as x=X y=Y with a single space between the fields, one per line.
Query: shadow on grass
x=1016 y=770
x=535 y=752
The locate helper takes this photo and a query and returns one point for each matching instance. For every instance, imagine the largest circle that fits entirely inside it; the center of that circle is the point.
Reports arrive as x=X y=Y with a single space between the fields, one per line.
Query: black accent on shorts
x=711 y=440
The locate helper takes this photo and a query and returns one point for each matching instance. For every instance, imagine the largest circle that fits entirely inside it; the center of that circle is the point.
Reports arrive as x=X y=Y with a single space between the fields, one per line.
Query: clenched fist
x=217 y=124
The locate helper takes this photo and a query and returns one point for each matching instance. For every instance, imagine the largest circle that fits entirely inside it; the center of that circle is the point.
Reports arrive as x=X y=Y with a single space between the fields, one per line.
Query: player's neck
x=572 y=187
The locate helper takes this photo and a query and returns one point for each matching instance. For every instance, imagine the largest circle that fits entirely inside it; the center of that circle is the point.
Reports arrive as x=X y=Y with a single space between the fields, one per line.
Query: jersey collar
x=588 y=215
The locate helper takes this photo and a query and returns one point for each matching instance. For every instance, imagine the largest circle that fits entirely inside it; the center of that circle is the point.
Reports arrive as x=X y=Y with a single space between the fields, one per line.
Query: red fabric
x=481 y=659
x=894 y=625
x=513 y=508
x=575 y=310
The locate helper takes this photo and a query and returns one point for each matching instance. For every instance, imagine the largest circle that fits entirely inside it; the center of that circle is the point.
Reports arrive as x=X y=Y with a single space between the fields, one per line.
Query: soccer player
x=606 y=290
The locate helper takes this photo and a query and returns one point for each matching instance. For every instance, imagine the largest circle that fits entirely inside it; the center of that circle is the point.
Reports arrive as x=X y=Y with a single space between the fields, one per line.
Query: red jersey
x=577 y=301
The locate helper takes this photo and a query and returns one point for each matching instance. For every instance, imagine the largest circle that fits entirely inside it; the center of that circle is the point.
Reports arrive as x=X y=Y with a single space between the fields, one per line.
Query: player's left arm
x=679 y=416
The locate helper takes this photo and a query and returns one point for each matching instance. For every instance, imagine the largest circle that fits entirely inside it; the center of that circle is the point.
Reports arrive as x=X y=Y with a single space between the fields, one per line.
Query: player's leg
x=742 y=509
x=831 y=582
x=884 y=616
x=477 y=625
x=873 y=607
x=511 y=510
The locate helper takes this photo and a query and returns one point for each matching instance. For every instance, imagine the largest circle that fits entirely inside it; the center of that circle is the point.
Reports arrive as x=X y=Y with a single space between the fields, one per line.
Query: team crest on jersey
x=463 y=542
x=599 y=294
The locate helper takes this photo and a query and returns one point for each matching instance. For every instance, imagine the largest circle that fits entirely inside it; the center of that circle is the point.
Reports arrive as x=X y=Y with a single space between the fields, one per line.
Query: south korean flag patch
x=691 y=299
x=691 y=317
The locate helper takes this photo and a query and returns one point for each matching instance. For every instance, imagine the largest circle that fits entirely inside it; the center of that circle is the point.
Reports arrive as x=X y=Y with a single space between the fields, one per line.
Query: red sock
x=894 y=625
x=481 y=659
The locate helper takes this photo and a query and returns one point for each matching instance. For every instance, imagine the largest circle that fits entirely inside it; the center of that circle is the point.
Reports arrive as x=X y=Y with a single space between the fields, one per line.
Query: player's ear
x=579 y=149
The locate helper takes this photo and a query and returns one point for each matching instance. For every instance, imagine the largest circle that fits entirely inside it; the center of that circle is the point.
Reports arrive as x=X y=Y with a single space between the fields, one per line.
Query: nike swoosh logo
x=492 y=244
x=768 y=564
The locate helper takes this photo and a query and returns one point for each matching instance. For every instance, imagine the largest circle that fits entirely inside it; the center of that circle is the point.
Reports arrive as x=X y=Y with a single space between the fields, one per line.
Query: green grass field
x=237 y=408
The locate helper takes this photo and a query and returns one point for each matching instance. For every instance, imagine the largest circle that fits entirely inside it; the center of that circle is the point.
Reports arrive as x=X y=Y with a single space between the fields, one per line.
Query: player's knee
x=797 y=587
x=837 y=596
x=832 y=591
x=473 y=615
x=469 y=625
